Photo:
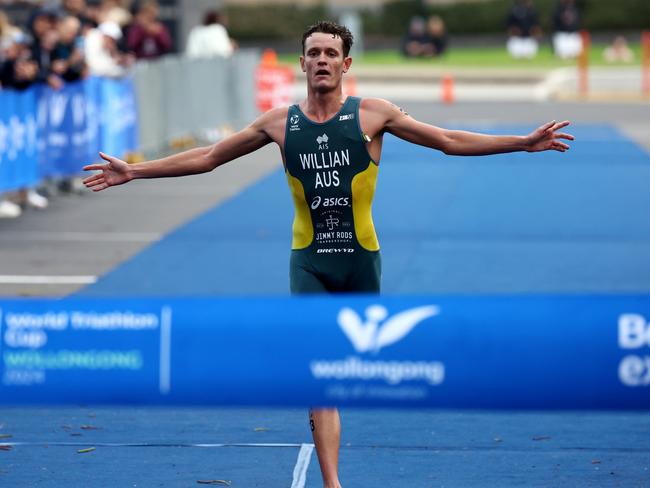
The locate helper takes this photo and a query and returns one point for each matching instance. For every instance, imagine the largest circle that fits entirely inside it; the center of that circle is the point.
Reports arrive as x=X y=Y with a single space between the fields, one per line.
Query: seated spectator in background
x=147 y=37
x=210 y=39
x=102 y=53
x=417 y=43
x=68 y=57
x=437 y=35
x=567 y=42
x=523 y=30
x=618 y=51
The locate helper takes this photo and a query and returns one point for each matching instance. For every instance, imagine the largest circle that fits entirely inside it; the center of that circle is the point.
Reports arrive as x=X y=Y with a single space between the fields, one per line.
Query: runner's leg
x=326 y=431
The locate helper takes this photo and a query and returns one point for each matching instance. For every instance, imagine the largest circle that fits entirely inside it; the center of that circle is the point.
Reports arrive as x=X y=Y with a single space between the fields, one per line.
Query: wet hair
x=327 y=27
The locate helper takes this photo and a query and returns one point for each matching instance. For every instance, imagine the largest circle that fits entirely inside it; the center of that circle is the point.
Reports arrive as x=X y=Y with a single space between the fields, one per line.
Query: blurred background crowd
x=68 y=40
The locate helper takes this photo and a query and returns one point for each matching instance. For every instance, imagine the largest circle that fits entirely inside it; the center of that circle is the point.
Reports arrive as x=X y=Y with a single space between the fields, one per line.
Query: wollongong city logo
x=370 y=335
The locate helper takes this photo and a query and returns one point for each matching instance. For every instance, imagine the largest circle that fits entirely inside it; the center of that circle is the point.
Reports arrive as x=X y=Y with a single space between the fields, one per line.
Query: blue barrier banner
x=496 y=352
x=18 y=144
x=47 y=133
x=64 y=141
x=119 y=118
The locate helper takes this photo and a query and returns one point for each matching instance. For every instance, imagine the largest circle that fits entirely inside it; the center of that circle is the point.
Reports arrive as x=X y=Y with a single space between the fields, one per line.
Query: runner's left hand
x=547 y=138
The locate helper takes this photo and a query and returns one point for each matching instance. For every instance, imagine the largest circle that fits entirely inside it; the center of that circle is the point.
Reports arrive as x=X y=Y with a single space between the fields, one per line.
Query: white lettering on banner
x=78 y=110
x=82 y=320
x=633 y=331
x=48 y=320
x=32 y=134
x=23 y=377
x=392 y=372
x=113 y=321
x=403 y=393
x=58 y=139
x=32 y=339
x=635 y=371
x=58 y=104
x=4 y=144
x=122 y=114
x=17 y=137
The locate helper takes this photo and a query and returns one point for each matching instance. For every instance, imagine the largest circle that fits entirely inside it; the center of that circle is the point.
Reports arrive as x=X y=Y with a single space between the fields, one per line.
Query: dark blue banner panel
x=47 y=133
x=497 y=352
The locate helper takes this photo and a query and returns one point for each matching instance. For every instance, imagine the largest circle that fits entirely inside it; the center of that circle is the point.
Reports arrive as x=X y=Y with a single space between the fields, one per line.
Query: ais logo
x=330 y=202
x=368 y=336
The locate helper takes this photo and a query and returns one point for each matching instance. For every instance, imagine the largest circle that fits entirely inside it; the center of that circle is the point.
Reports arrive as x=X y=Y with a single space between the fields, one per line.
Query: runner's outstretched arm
x=194 y=161
x=464 y=143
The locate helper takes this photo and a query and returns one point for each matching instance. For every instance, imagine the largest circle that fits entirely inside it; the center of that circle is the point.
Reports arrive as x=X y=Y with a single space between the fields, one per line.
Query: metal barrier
x=180 y=97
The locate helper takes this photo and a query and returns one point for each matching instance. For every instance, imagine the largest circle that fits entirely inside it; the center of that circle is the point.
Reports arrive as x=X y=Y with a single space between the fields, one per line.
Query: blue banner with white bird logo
x=496 y=352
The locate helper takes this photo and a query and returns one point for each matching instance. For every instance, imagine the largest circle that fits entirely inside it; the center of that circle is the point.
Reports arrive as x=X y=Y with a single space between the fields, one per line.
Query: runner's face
x=323 y=61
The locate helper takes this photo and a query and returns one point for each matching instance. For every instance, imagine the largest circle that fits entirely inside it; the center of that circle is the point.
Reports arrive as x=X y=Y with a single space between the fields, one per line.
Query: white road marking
x=81 y=236
x=46 y=280
x=300 y=470
x=165 y=349
x=149 y=444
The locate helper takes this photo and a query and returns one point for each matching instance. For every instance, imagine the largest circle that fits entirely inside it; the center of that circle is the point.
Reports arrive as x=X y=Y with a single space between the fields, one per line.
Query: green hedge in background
x=287 y=22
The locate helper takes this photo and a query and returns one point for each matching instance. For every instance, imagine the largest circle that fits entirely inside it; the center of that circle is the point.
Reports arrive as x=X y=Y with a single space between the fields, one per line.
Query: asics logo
x=368 y=336
x=330 y=202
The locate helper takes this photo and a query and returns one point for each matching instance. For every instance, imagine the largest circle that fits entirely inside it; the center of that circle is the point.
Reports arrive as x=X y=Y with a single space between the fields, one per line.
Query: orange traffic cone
x=269 y=58
x=447 y=88
x=350 y=85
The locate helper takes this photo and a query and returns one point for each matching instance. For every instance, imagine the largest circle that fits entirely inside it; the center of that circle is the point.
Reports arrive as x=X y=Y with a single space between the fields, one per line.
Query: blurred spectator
x=618 y=51
x=7 y=33
x=437 y=35
x=45 y=37
x=114 y=11
x=68 y=56
x=19 y=70
x=210 y=39
x=147 y=37
x=102 y=54
x=416 y=43
x=78 y=9
x=567 y=42
x=523 y=30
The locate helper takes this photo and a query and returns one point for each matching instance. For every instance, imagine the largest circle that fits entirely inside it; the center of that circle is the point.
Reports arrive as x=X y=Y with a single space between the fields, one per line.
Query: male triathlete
x=330 y=147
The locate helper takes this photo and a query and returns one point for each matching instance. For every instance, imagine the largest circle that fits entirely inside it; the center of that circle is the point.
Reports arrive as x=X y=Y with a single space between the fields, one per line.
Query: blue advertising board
x=497 y=352
x=47 y=133
x=18 y=147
